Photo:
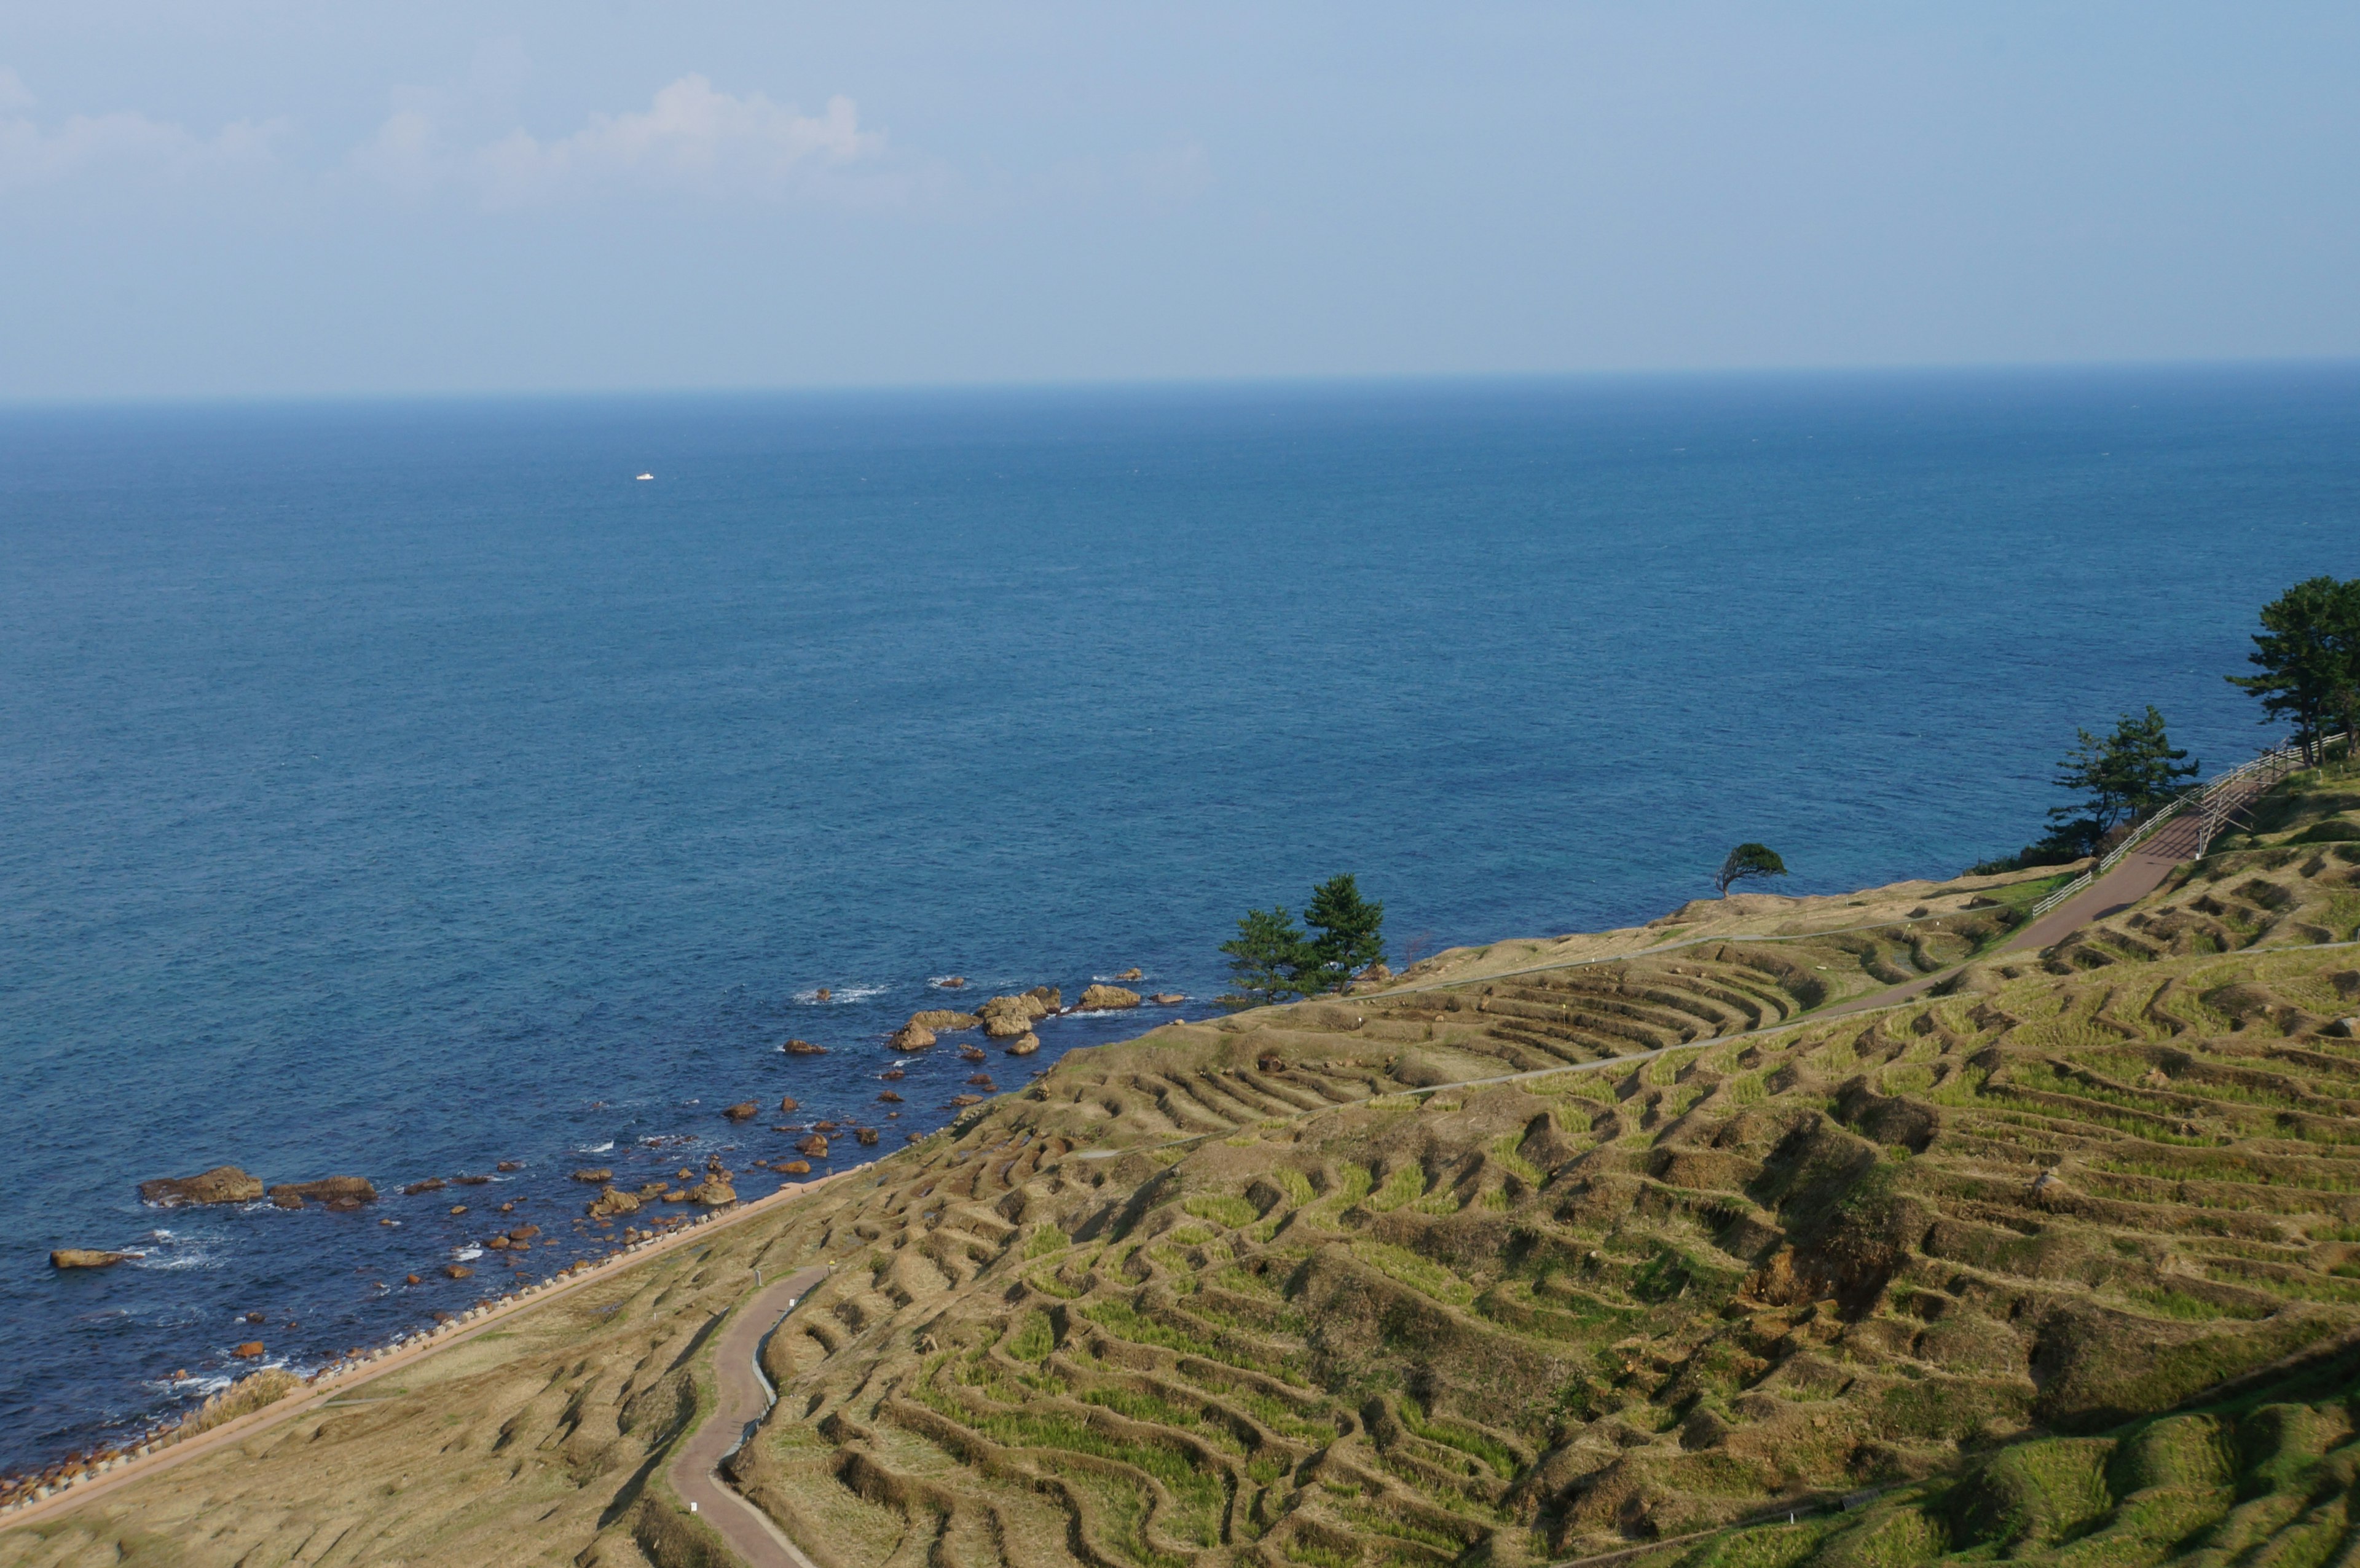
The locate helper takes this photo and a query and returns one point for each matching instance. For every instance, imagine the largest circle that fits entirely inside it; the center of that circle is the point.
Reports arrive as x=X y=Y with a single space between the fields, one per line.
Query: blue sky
x=262 y=197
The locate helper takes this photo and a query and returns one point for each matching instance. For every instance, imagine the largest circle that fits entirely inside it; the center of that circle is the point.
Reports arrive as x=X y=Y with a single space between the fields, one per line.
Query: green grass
x=1465 y=1439
x=1419 y=1274
x=1222 y=1209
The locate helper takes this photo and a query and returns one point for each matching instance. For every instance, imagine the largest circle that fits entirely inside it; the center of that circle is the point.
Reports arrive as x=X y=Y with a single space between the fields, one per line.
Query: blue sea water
x=397 y=789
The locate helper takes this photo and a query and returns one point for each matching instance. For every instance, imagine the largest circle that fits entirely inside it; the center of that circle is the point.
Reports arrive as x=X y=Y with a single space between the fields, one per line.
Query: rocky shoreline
x=629 y=1212
x=258 y=1390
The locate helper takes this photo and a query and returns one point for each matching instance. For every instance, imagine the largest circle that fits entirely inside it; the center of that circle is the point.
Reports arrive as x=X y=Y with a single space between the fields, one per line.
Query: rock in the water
x=980 y=1081
x=336 y=1192
x=789 y=1104
x=1131 y=974
x=523 y=1232
x=1168 y=998
x=412 y=1280
x=222 y=1184
x=804 y=1046
x=596 y=1177
x=1049 y=997
x=794 y=1168
x=813 y=1147
x=85 y=1257
x=743 y=1111
x=892 y=1075
x=822 y=994
x=910 y=1036
x=1007 y=1024
x=431 y=1184
x=501 y=1243
x=613 y=1201
x=970 y=1053
x=1024 y=1044
x=457 y=1270
x=1099 y=998
x=712 y=1192
x=866 y=1135
x=949 y=982
x=510 y=1165
x=963 y=1101
x=944 y=1018
x=890 y=1097
x=285 y=1201
x=250 y=1351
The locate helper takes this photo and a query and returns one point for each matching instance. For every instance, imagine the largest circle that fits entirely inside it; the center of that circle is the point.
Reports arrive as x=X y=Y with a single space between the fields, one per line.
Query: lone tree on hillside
x=1747 y=860
x=1350 y=931
x=1272 y=959
x=2121 y=778
x=2308 y=654
x=1266 y=957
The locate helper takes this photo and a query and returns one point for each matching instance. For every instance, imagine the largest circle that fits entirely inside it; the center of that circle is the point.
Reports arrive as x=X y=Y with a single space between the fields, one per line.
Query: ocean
x=398 y=789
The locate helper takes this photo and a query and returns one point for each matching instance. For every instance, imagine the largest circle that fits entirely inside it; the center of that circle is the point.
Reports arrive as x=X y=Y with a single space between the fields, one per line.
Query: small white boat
x=647 y=476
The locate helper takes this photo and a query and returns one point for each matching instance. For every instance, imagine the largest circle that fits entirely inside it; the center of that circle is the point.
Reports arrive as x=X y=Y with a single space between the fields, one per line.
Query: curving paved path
x=341 y=1385
x=745 y=1395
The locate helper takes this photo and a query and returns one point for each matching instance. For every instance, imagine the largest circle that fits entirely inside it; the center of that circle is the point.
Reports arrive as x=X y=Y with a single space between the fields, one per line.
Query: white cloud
x=32 y=153
x=692 y=137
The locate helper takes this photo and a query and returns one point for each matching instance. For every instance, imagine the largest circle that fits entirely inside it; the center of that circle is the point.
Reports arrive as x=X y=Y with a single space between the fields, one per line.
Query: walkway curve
x=744 y=1397
x=339 y=1386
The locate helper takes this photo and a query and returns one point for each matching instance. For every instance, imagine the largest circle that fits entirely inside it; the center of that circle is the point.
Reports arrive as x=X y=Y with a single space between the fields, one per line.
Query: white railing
x=2218 y=799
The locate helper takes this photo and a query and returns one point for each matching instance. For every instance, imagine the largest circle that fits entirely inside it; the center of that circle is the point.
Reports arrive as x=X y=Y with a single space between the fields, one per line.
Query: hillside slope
x=1300 y=1286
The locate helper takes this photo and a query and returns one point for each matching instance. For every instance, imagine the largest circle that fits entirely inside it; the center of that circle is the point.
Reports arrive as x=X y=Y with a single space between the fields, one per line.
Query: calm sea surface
x=394 y=789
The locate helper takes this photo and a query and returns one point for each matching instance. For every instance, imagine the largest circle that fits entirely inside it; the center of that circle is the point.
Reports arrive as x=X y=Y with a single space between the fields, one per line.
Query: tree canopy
x=2120 y=778
x=1747 y=860
x=1272 y=959
x=2309 y=654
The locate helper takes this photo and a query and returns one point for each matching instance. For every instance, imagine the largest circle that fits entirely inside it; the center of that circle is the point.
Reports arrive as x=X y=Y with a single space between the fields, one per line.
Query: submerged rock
x=85 y=1257
x=222 y=1184
x=431 y=1184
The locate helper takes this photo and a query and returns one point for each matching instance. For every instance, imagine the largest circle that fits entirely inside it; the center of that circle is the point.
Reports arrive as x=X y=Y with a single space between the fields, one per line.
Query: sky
x=268 y=197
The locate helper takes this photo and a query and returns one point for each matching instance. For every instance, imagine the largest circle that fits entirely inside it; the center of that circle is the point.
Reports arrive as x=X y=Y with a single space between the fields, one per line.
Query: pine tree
x=1748 y=860
x=2121 y=778
x=2309 y=653
x=1351 y=933
x=1267 y=959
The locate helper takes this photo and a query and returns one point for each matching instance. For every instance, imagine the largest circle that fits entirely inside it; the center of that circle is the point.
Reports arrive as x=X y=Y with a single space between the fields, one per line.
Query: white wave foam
x=466 y=1253
x=596 y=1148
x=193 y=1257
x=839 y=993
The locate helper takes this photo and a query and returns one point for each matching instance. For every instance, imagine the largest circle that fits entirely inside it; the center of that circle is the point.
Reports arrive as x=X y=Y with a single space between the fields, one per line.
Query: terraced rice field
x=1615 y=1243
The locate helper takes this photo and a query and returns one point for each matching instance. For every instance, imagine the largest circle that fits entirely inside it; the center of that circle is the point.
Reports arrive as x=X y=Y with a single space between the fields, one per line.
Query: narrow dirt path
x=745 y=1395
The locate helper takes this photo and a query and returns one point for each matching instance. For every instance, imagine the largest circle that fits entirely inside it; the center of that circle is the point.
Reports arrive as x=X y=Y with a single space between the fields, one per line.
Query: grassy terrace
x=1230 y=1293
x=1970 y=1253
